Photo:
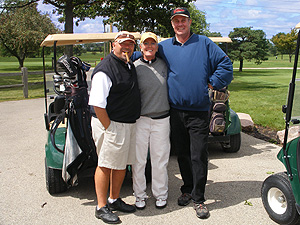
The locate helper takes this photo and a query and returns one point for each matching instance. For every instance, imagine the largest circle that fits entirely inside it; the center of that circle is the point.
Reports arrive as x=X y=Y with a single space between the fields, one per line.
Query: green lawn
x=11 y=64
x=258 y=92
x=281 y=61
x=261 y=94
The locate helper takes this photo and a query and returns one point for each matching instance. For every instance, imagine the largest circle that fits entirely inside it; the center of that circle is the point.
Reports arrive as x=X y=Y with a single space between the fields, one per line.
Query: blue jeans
x=189 y=135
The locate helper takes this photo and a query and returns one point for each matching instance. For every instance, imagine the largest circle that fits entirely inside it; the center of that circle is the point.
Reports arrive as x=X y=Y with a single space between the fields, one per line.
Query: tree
x=273 y=49
x=213 y=34
x=22 y=30
x=131 y=15
x=248 y=44
x=142 y=15
x=69 y=9
x=199 y=24
x=286 y=43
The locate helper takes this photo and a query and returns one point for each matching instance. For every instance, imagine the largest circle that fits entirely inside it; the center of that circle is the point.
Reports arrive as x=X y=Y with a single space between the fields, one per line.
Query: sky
x=271 y=16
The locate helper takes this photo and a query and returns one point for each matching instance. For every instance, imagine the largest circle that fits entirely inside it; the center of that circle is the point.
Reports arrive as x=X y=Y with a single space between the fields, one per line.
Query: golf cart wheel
x=54 y=182
x=235 y=144
x=278 y=199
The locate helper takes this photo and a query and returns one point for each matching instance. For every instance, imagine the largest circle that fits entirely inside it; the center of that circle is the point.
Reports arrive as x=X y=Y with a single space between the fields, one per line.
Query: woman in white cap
x=153 y=127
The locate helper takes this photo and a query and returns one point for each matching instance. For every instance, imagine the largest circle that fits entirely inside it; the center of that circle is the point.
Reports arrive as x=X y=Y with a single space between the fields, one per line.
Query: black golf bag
x=72 y=104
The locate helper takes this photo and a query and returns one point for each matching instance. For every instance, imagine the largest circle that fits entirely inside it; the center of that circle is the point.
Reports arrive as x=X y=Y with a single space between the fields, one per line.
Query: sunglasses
x=125 y=36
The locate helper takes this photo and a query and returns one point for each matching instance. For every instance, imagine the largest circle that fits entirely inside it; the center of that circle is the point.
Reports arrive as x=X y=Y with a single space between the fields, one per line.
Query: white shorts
x=115 y=145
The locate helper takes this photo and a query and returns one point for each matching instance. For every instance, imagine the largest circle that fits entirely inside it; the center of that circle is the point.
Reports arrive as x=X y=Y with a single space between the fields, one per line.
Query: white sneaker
x=140 y=203
x=161 y=203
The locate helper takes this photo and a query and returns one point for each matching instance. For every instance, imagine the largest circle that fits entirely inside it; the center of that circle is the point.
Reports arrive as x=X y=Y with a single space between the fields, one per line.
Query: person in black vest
x=115 y=98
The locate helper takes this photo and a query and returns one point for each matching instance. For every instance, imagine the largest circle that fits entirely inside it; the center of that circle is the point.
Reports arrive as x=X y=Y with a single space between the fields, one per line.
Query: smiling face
x=120 y=49
x=149 y=47
x=181 y=26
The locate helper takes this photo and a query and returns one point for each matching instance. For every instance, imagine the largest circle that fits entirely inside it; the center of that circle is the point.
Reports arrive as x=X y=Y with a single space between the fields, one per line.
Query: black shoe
x=201 y=210
x=184 y=199
x=107 y=215
x=121 y=206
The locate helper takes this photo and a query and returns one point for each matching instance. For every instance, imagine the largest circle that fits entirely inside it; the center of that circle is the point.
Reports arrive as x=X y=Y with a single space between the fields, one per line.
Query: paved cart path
x=232 y=180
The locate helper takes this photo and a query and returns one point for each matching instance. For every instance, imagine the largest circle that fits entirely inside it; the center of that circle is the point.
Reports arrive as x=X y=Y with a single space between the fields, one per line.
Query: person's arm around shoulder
x=135 y=56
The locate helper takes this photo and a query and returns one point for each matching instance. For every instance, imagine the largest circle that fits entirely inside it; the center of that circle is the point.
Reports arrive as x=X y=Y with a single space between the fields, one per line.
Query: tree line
x=23 y=27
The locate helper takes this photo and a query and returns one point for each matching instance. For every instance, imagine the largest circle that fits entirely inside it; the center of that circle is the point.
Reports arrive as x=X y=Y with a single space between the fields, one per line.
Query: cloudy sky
x=271 y=16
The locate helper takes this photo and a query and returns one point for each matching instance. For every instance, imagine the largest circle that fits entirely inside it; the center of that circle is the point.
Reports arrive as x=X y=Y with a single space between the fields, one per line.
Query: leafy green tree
x=94 y=47
x=131 y=15
x=78 y=50
x=213 y=34
x=199 y=24
x=68 y=9
x=22 y=30
x=248 y=44
x=286 y=43
x=142 y=15
x=273 y=49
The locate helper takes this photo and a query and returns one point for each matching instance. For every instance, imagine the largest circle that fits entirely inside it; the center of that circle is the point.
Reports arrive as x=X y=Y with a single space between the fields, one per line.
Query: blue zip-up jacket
x=191 y=66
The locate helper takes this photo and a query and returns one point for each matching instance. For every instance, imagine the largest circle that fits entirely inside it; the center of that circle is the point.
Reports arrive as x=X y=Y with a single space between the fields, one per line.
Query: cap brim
x=180 y=15
x=121 y=40
x=148 y=38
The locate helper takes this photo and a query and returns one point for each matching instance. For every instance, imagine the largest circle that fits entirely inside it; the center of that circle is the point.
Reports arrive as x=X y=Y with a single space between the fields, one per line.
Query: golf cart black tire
x=54 y=182
x=281 y=182
x=235 y=144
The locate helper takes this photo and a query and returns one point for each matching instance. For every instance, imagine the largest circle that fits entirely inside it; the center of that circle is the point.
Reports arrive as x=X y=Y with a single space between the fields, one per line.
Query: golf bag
x=217 y=111
x=72 y=104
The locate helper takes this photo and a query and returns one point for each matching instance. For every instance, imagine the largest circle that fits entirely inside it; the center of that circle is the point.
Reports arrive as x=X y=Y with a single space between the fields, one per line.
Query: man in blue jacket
x=195 y=64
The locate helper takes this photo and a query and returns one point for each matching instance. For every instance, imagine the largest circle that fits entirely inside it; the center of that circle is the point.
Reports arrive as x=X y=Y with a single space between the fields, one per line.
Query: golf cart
x=281 y=191
x=69 y=149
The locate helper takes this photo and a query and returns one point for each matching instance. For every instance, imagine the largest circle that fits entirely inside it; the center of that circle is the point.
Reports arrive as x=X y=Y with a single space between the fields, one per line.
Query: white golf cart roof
x=214 y=39
x=81 y=38
x=298 y=26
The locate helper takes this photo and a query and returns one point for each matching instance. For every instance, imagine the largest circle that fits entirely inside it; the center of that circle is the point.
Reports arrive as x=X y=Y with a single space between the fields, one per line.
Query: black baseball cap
x=180 y=12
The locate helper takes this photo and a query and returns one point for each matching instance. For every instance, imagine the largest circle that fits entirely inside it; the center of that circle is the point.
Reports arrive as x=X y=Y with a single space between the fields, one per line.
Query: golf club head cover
x=65 y=63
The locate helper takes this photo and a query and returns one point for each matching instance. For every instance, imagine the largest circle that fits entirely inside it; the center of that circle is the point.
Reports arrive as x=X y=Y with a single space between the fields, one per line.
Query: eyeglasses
x=124 y=35
x=153 y=44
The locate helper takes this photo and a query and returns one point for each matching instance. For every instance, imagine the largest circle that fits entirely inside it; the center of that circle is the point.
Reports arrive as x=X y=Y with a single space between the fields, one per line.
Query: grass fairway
x=261 y=94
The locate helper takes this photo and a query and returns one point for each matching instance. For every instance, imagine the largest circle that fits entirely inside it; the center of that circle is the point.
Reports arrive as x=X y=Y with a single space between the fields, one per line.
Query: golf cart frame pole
x=289 y=108
x=44 y=75
x=54 y=56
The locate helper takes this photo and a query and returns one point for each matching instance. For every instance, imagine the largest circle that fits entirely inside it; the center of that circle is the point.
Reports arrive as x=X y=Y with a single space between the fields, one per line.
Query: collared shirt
x=175 y=40
x=99 y=95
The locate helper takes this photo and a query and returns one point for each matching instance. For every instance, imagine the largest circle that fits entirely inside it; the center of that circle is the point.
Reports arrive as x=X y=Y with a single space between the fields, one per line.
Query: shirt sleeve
x=100 y=88
x=222 y=67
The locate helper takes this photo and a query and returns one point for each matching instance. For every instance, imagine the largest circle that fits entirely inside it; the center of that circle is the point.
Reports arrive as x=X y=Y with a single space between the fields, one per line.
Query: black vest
x=124 y=100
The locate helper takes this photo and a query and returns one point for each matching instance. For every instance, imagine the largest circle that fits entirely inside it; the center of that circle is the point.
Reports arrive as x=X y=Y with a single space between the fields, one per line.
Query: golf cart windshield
x=295 y=114
x=296 y=103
